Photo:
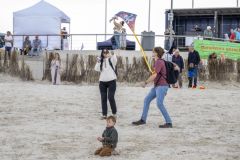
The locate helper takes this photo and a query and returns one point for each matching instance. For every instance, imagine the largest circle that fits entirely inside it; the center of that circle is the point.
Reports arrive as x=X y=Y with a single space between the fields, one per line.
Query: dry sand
x=39 y=121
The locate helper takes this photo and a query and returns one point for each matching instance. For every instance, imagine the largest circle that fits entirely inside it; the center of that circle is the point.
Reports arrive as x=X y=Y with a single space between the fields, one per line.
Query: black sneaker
x=140 y=122
x=166 y=125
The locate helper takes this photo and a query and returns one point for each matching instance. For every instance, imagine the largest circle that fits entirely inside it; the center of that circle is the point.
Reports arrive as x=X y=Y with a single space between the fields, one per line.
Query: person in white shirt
x=123 y=40
x=8 y=44
x=55 y=69
x=106 y=65
x=167 y=57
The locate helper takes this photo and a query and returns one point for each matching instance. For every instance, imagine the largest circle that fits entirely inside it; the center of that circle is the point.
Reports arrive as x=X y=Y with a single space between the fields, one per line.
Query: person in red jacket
x=232 y=36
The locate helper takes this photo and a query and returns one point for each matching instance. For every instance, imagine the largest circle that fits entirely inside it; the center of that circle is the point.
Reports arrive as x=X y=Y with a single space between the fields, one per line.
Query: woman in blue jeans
x=159 y=91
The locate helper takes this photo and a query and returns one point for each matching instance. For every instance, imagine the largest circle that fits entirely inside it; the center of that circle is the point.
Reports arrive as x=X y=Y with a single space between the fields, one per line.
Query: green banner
x=206 y=47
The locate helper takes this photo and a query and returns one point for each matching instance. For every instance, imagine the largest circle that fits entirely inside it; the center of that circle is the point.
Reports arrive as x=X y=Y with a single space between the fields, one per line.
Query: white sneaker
x=103 y=117
x=115 y=116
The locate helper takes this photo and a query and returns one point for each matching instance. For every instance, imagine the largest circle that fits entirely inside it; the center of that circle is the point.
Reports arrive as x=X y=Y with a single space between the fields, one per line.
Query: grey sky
x=87 y=16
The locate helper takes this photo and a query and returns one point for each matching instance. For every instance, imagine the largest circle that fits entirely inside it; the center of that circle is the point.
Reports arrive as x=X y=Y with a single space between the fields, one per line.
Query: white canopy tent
x=39 y=19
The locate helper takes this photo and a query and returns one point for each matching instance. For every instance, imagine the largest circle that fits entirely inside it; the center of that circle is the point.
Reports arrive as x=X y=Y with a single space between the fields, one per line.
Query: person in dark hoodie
x=178 y=60
x=193 y=62
x=109 y=138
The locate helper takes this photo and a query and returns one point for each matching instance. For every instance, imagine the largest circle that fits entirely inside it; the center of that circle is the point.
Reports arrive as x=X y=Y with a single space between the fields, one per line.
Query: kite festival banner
x=206 y=47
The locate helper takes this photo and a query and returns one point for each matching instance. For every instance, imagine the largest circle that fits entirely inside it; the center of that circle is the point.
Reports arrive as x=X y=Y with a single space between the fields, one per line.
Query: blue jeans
x=193 y=77
x=7 y=53
x=158 y=92
x=35 y=51
x=117 y=40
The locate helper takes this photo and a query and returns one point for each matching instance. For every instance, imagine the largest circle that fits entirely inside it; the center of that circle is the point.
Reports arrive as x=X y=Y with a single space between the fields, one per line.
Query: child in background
x=55 y=69
x=109 y=138
x=191 y=74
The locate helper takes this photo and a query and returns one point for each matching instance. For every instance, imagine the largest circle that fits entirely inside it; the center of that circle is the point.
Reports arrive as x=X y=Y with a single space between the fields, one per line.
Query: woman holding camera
x=106 y=65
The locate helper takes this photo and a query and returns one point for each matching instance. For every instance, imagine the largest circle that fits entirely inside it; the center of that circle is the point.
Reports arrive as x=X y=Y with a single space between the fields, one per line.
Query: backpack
x=115 y=70
x=171 y=74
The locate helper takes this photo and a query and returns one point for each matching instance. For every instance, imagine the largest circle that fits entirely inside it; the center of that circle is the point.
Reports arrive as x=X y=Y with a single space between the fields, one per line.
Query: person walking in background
x=178 y=60
x=63 y=37
x=8 y=45
x=226 y=37
x=232 y=36
x=123 y=40
x=212 y=56
x=55 y=69
x=237 y=33
x=64 y=33
x=208 y=34
x=159 y=91
x=222 y=58
x=193 y=62
x=106 y=65
x=117 y=31
x=26 y=46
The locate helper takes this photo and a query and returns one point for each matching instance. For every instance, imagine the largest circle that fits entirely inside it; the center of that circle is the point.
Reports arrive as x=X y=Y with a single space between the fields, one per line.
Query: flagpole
x=171 y=26
x=143 y=53
x=105 y=19
x=149 y=14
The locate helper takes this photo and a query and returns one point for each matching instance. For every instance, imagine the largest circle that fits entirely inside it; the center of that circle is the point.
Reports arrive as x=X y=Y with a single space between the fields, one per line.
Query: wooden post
x=67 y=68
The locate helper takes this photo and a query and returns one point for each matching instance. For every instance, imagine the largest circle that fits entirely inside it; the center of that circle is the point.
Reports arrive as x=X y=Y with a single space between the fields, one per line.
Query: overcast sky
x=87 y=16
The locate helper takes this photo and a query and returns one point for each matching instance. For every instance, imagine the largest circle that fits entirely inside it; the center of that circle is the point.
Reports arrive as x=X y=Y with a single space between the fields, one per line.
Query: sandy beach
x=39 y=121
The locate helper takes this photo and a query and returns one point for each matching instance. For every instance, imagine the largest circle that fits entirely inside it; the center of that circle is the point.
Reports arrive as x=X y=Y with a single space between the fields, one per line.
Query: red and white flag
x=128 y=18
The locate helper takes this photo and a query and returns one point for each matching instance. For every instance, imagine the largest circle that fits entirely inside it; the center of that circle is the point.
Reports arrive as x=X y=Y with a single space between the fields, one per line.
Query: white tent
x=39 y=19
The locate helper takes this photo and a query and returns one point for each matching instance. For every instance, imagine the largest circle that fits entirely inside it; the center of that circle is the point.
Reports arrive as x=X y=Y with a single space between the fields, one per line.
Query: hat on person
x=208 y=27
x=191 y=45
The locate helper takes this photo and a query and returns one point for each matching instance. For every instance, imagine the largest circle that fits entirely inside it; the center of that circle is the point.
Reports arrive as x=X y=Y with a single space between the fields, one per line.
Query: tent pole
x=149 y=14
x=13 y=31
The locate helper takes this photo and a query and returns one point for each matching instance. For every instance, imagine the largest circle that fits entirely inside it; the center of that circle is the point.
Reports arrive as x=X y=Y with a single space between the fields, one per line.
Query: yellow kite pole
x=143 y=53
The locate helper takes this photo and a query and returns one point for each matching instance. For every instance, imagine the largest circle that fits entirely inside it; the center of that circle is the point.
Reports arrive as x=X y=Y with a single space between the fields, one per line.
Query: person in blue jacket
x=193 y=62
